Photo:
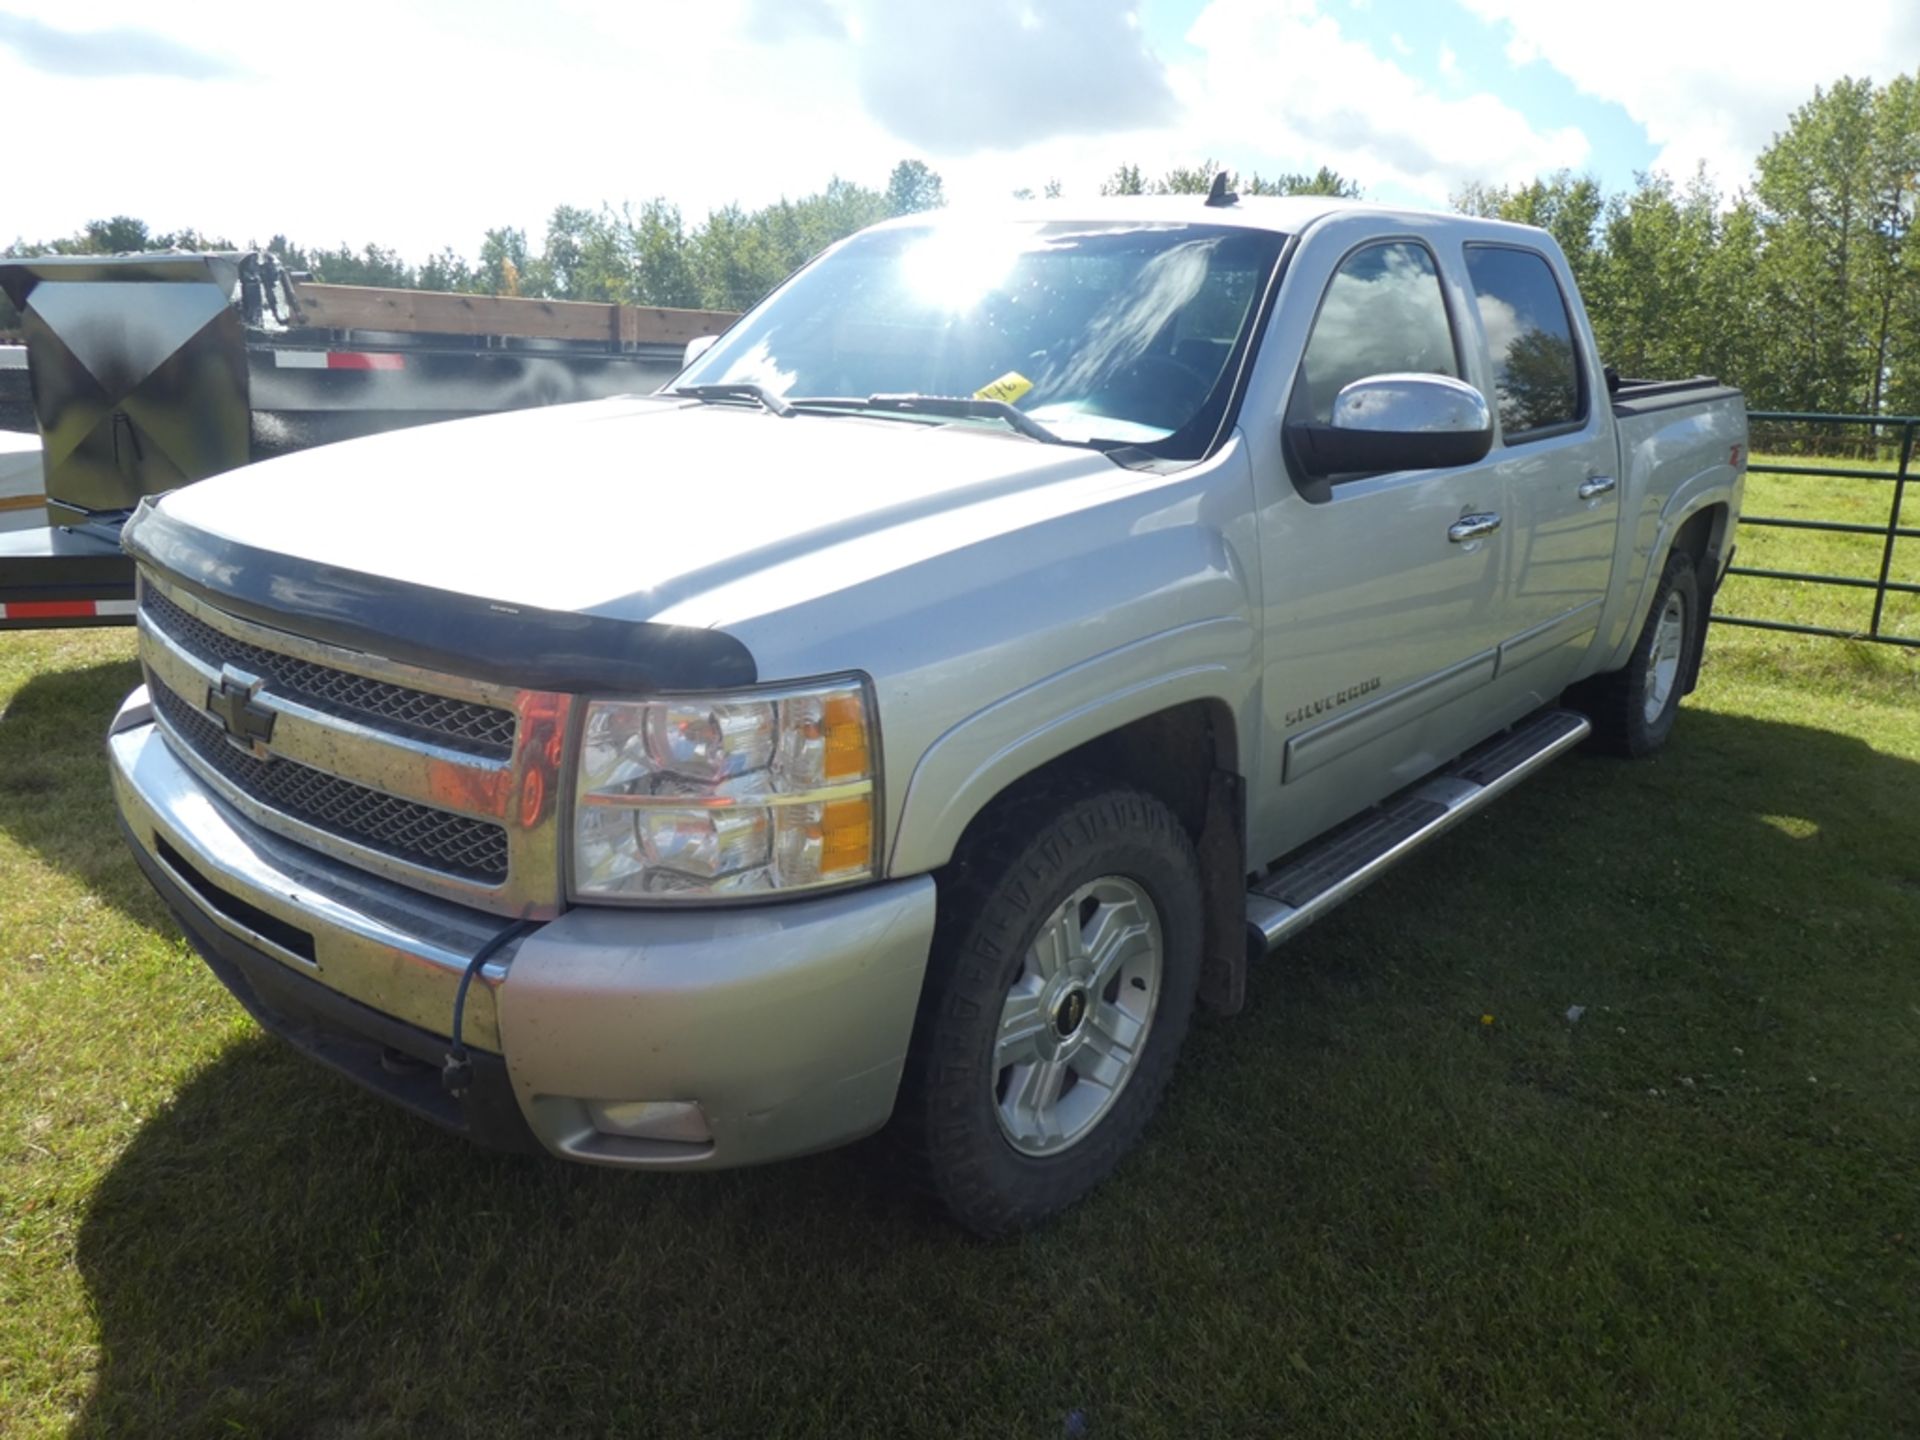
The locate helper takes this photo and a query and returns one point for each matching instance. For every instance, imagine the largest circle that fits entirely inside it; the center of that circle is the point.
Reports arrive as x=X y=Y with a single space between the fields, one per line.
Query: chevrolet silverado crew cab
x=1003 y=631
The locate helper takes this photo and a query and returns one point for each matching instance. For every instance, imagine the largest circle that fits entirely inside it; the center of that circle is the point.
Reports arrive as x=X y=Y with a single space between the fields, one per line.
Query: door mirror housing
x=697 y=347
x=1396 y=422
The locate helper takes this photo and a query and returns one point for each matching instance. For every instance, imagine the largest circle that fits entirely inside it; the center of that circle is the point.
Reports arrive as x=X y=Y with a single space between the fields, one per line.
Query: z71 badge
x=1332 y=702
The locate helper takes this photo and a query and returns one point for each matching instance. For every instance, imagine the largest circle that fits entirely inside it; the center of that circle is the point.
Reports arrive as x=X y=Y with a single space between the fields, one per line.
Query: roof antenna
x=1219 y=194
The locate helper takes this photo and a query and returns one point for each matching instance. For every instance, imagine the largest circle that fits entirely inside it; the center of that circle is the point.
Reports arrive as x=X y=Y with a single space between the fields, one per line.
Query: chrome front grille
x=418 y=834
x=445 y=784
x=484 y=729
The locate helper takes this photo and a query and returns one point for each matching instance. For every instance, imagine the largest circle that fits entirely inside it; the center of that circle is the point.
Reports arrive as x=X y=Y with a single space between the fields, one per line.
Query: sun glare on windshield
x=1097 y=331
x=956 y=266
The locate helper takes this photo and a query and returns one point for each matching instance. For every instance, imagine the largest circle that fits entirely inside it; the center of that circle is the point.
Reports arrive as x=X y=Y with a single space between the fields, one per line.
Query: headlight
x=703 y=796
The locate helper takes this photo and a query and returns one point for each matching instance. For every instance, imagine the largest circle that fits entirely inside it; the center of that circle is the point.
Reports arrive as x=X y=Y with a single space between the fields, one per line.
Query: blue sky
x=420 y=123
x=1420 y=35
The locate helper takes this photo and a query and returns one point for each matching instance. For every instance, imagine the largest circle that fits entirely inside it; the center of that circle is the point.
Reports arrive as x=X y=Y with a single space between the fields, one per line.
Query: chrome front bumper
x=771 y=1030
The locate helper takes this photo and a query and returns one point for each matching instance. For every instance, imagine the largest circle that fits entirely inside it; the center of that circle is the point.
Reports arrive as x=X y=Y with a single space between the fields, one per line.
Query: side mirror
x=697 y=347
x=1396 y=422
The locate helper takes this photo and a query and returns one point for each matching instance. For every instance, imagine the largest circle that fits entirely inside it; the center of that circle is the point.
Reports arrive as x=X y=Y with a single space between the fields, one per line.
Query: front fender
x=976 y=759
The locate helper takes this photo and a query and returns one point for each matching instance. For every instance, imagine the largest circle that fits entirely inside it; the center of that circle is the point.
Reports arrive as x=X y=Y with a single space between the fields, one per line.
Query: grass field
x=1406 y=1193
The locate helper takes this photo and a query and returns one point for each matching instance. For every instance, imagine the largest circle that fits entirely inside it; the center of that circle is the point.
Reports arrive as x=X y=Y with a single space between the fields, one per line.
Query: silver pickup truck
x=1003 y=632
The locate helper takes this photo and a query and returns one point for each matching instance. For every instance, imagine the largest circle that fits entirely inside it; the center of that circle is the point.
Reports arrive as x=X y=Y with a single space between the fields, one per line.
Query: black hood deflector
x=436 y=629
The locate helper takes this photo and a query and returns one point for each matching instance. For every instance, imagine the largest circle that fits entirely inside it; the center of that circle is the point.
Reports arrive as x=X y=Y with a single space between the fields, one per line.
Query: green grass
x=1367 y=1208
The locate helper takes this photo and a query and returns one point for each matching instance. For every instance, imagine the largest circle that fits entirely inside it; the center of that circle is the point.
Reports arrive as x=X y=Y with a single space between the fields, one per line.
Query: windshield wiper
x=739 y=390
x=968 y=407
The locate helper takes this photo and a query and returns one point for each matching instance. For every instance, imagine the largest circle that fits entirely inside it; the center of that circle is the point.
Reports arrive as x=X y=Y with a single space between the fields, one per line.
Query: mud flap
x=1223 y=879
x=1709 y=591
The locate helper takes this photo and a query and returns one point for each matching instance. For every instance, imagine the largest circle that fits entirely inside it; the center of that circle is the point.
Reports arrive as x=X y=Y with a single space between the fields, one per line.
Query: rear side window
x=1383 y=314
x=1536 y=374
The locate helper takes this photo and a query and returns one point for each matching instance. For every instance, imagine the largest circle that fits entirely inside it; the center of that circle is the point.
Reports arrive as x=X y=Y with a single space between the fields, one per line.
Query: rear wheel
x=1058 y=994
x=1633 y=708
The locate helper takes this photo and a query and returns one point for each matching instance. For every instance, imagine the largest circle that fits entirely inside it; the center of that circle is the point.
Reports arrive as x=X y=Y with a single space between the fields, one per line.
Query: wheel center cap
x=1068 y=1014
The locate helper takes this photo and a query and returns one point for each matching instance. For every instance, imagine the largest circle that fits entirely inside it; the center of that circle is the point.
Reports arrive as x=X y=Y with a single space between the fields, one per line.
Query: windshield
x=1122 y=333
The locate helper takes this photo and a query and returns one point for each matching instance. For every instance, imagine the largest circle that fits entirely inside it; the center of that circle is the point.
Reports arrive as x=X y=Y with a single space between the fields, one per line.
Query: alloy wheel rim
x=1663 y=661
x=1075 y=1021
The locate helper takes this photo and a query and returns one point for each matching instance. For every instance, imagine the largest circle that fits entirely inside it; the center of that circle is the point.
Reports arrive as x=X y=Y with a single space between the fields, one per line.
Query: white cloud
x=1283 y=70
x=1501 y=322
x=421 y=123
x=1000 y=74
x=1709 y=83
x=787 y=19
x=117 y=50
x=1449 y=62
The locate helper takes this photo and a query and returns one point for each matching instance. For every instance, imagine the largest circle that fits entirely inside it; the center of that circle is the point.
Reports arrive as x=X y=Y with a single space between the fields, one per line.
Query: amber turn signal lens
x=845 y=723
x=846 y=835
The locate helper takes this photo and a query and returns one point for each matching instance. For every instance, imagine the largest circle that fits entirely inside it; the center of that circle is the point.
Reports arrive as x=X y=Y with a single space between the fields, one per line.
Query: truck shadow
x=275 y=1240
x=272 y=1211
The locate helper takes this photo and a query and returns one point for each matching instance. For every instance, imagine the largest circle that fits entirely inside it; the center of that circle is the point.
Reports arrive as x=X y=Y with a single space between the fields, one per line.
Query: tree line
x=638 y=255
x=1803 y=288
x=1800 y=286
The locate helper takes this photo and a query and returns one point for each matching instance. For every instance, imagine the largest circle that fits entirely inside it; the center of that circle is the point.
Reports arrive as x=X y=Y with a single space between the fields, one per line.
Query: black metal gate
x=1865 y=437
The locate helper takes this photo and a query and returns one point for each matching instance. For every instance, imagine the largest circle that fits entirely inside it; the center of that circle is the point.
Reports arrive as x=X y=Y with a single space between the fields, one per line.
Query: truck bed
x=1640 y=397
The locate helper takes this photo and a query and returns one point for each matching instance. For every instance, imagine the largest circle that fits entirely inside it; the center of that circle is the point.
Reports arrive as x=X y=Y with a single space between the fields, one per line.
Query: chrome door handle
x=1598 y=485
x=1472 y=527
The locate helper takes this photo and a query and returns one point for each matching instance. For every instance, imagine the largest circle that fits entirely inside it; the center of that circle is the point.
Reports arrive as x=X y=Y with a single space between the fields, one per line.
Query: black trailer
x=147 y=372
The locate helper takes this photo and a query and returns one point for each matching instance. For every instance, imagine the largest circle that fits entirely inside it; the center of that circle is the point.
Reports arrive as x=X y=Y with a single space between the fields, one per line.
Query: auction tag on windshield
x=1009 y=387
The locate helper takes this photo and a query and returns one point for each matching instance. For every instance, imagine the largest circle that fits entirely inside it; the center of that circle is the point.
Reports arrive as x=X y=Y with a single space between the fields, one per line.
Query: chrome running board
x=1343 y=861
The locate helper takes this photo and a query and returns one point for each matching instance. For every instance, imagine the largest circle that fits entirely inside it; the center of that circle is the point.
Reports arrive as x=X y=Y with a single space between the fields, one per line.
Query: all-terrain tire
x=1633 y=708
x=1013 y=876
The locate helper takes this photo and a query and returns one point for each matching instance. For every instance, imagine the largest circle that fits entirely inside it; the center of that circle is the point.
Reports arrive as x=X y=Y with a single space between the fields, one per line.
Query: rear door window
x=1536 y=370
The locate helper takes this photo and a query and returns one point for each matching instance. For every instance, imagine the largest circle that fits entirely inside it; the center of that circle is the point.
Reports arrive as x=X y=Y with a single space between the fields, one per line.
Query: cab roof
x=1280 y=214
x=1286 y=215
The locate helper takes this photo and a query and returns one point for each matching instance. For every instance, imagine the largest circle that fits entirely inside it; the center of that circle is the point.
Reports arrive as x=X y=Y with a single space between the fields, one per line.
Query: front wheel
x=1059 y=991
x=1633 y=708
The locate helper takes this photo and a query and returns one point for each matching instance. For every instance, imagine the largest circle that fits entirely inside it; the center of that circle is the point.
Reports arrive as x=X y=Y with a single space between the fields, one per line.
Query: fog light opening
x=680 y=1121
